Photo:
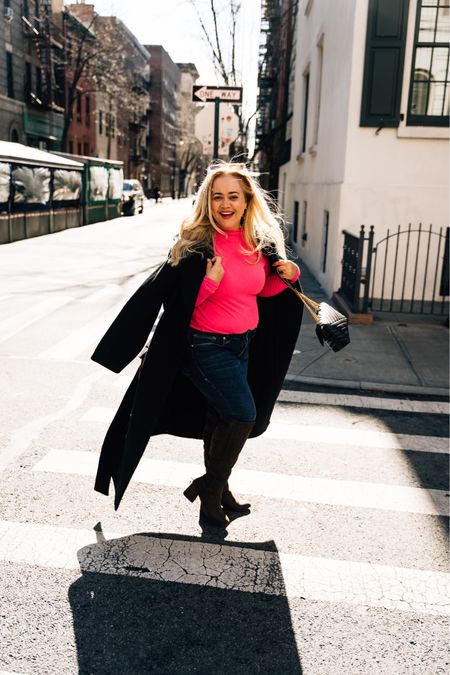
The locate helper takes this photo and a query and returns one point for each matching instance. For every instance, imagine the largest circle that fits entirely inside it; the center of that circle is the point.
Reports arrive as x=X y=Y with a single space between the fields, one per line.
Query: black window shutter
x=383 y=66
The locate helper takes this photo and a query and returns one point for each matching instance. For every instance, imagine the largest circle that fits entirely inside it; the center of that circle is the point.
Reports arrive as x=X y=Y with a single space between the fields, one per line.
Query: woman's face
x=227 y=202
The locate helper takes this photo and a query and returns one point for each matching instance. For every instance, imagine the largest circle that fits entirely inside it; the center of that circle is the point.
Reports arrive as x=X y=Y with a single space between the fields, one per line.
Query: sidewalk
x=397 y=356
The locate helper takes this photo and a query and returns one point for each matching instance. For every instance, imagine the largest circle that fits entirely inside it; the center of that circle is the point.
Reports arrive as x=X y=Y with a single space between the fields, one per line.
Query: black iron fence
x=356 y=269
x=407 y=271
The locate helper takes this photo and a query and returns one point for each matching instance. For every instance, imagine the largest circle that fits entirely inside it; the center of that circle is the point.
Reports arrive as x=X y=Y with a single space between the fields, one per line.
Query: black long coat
x=160 y=399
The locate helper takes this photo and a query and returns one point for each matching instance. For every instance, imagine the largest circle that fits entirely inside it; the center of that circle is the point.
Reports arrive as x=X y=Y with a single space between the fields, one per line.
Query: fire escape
x=268 y=66
x=275 y=83
x=49 y=48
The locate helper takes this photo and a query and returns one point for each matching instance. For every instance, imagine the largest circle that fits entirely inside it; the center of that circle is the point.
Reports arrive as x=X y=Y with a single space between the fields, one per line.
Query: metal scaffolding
x=276 y=63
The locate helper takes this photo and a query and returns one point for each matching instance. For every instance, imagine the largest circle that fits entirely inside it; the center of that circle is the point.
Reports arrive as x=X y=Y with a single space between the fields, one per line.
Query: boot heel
x=191 y=492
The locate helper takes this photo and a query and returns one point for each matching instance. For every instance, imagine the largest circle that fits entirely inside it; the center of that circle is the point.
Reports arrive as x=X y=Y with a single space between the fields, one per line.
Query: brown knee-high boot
x=229 y=502
x=227 y=441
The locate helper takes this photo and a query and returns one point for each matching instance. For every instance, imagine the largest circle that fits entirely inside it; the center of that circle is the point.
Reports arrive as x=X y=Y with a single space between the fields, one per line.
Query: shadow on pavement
x=431 y=468
x=165 y=603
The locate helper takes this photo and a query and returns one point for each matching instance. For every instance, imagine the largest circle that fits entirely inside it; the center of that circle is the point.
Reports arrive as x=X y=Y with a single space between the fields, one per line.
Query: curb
x=369 y=386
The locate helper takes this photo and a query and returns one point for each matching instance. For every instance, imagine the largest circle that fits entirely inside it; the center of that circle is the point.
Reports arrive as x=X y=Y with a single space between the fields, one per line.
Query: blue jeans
x=217 y=366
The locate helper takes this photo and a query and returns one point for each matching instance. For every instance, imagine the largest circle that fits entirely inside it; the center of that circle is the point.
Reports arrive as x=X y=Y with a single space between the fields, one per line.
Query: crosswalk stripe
x=235 y=568
x=104 y=293
x=18 y=322
x=367 y=402
x=122 y=382
x=318 y=434
x=23 y=437
x=358 y=437
x=268 y=484
x=343 y=400
x=79 y=340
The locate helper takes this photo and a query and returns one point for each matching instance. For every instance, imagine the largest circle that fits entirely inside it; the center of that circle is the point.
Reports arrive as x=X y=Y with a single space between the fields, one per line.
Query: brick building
x=190 y=157
x=111 y=108
x=276 y=87
x=79 y=135
x=31 y=73
x=164 y=139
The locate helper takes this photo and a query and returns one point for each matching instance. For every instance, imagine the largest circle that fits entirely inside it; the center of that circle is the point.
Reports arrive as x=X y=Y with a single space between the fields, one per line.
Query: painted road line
x=23 y=437
x=122 y=382
x=18 y=322
x=82 y=339
x=346 y=493
x=98 y=414
x=324 y=435
x=343 y=400
x=85 y=338
x=104 y=293
x=233 y=568
x=368 y=402
x=357 y=437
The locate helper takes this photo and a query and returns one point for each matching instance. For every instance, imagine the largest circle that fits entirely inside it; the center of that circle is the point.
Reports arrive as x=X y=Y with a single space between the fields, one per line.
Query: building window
x=295 y=222
x=9 y=74
x=387 y=22
x=318 y=90
x=100 y=122
x=305 y=109
x=86 y=149
x=71 y=147
x=326 y=220
x=429 y=91
x=79 y=148
x=78 y=103
x=304 y=232
x=88 y=110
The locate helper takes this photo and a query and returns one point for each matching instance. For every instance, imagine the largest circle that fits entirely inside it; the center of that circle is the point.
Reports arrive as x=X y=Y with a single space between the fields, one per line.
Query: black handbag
x=331 y=325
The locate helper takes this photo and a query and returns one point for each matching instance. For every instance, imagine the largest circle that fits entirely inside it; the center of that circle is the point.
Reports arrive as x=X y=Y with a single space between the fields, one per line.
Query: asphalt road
x=341 y=567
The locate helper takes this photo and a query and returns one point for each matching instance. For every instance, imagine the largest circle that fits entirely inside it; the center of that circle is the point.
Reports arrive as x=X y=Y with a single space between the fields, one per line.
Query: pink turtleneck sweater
x=230 y=306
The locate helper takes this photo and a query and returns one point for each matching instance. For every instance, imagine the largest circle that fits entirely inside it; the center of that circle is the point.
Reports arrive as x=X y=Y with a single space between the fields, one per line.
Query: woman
x=221 y=348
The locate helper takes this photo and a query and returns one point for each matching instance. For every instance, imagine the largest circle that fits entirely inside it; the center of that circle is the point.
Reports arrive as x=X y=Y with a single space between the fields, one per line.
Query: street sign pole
x=216 y=128
x=217 y=94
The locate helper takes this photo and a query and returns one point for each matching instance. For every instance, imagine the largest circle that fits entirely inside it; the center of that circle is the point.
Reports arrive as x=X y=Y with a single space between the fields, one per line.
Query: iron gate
x=407 y=271
x=356 y=270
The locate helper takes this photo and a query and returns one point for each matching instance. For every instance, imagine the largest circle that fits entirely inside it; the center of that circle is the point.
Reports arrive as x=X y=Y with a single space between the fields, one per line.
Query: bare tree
x=189 y=157
x=80 y=52
x=223 y=60
x=98 y=66
x=219 y=23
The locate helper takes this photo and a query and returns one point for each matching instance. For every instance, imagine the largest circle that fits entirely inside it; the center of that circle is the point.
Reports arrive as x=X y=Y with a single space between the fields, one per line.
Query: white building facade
x=370 y=138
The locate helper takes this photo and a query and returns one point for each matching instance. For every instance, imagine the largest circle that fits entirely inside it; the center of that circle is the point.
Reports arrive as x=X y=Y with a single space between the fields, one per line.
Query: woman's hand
x=214 y=269
x=286 y=269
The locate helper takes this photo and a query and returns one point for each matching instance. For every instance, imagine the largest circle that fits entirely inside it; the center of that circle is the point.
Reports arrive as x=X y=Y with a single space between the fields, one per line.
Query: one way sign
x=205 y=94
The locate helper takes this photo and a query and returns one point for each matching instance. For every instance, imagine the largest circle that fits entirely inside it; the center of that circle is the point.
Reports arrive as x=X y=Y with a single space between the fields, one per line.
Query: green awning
x=45 y=124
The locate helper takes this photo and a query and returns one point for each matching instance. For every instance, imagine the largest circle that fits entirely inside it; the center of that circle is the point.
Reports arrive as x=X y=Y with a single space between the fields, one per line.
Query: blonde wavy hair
x=261 y=226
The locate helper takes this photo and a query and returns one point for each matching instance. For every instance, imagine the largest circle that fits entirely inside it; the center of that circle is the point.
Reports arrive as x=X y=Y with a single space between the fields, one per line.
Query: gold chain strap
x=311 y=305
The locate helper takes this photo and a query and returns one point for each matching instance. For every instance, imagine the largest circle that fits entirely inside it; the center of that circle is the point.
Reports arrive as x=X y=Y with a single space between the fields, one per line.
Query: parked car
x=132 y=197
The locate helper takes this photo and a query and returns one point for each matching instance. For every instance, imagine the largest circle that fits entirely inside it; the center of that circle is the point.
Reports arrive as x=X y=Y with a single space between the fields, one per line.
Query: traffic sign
x=228 y=128
x=205 y=94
